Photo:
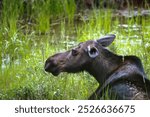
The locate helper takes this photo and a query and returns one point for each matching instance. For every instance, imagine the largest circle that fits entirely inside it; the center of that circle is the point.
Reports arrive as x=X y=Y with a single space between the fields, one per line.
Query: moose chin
x=121 y=77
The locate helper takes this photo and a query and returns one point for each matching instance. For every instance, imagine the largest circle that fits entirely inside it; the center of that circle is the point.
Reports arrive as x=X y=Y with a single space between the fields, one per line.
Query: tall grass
x=32 y=31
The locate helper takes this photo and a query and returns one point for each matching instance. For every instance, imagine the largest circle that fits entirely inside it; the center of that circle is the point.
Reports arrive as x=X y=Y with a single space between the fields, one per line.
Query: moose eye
x=74 y=52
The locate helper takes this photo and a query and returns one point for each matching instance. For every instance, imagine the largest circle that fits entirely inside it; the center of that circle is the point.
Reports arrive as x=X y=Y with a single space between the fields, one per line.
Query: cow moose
x=121 y=77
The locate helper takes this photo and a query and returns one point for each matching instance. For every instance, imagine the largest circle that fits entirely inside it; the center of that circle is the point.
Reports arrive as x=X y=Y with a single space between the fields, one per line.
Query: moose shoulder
x=122 y=77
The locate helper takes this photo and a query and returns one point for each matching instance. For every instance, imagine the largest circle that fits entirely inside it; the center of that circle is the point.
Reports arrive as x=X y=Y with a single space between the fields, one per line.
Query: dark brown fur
x=124 y=76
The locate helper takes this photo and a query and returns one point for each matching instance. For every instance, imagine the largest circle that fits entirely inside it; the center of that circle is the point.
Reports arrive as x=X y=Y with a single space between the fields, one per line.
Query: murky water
x=23 y=62
x=133 y=25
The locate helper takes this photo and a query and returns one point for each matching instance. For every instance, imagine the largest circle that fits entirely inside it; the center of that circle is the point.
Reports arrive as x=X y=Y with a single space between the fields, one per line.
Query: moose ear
x=92 y=51
x=106 y=40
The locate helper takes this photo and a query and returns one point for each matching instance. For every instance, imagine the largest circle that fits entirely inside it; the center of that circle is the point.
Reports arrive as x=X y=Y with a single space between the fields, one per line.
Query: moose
x=120 y=77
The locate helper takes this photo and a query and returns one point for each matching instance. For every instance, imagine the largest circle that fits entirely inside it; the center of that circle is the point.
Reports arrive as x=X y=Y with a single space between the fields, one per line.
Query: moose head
x=91 y=56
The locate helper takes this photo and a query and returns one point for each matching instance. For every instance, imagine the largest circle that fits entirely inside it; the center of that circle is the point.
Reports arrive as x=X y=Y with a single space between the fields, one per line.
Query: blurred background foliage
x=32 y=30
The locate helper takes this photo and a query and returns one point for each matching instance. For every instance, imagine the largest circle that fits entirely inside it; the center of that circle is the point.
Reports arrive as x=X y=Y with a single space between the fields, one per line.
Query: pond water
x=25 y=52
x=130 y=26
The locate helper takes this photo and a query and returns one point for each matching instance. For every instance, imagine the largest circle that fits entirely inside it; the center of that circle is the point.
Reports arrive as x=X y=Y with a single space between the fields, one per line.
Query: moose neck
x=102 y=66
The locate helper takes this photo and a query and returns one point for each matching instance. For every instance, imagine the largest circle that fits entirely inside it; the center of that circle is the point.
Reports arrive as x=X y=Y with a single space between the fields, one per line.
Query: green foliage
x=33 y=30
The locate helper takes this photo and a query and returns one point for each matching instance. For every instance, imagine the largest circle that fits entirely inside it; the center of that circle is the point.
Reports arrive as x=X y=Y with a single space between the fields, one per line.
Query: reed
x=32 y=31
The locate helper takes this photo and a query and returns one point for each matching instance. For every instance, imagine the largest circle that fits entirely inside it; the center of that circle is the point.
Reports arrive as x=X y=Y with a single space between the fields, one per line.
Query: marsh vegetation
x=32 y=31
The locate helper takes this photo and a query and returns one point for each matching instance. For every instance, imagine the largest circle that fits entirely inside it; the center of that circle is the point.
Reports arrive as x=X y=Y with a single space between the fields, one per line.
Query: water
x=23 y=58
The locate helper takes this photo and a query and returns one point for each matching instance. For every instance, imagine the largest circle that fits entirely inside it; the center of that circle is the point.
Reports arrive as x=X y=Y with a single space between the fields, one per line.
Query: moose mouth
x=51 y=69
x=55 y=72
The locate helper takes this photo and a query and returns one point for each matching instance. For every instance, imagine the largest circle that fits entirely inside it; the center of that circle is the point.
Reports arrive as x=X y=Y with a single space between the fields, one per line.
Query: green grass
x=28 y=35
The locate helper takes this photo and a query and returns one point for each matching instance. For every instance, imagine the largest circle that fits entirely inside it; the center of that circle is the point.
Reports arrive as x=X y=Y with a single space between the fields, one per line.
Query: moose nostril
x=50 y=64
x=47 y=65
